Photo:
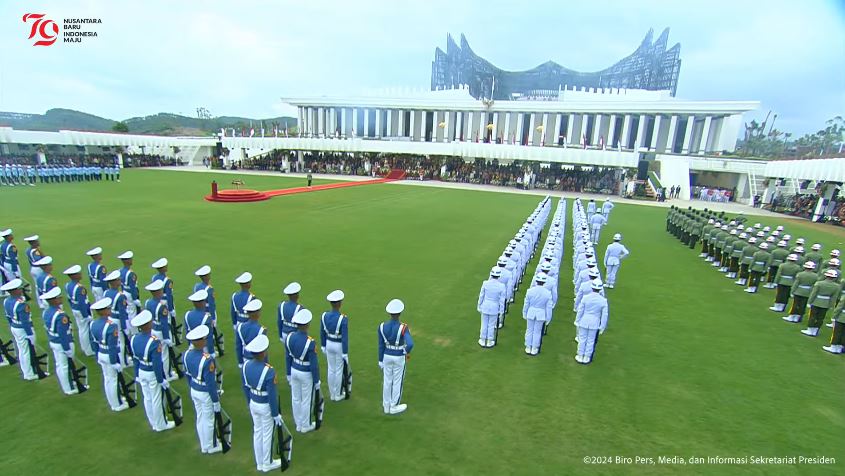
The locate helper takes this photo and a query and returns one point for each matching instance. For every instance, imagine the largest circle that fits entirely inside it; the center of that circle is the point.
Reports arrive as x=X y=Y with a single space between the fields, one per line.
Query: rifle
x=346 y=380
x=319 y=404
x=78 y=375
x=8 y=352
x=176 y=362
x=174 y=404
x=223 y=430
x=283 y=443
x=175 y=330
x=219 y=342
x=126 y=391
x=38 y=362
x=218 y=376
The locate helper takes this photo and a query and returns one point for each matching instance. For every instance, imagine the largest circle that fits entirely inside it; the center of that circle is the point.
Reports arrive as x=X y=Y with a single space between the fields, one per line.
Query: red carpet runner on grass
x=240 y=196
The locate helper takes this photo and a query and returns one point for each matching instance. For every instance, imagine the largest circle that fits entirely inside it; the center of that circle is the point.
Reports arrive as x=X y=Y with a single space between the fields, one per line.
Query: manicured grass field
x=690 y=364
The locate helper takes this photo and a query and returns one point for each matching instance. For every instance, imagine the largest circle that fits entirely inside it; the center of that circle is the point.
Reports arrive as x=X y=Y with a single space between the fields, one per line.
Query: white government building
x=608 y=128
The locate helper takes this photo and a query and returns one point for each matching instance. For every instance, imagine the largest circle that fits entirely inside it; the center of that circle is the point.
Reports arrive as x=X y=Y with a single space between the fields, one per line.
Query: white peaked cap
x=94 y=251
x=200 y=295
x=126 y=255
x=44 y=261
x=244 y=278
x=5 y=233
x=254 y=305
x=31 y=238
x=113 y=275
x=303 y=316
x=395 y=306
x=204 y=270
x=597 y=284
x=259 y=344
x=292 y=288
x=198 y=332
x=73 y=269
x=54 y=292
x=13 y=284
x=141 y=318
x=156 y=285
x=101 y=304
x=159 y=263
x=335 y=296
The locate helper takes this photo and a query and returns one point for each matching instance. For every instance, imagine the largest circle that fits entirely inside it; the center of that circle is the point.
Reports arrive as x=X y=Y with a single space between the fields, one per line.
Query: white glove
x=165 y=384
x=323 y=349
x=137 y=303
x=240 y=366
x=281 y=340
x=31 y=339
x=117 y=367
x=346 y=358
x=69 y=353
x=317 y=385
x=168 y=342
x=381 y=365
x=216 y=407
x=288 y=378
x=601 y=331
x=278 y=420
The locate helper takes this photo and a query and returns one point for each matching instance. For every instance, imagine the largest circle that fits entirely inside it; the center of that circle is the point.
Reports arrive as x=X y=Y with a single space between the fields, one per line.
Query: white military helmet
x=743 y=235
x=816 y=247
x=764 y=246
x=792 y=257
x=809 y=265
x=782 y=244
x=831 y=273
x=834 y=253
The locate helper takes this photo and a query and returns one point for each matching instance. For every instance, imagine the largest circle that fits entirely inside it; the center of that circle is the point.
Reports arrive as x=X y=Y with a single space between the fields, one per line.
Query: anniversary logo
x=45 y=31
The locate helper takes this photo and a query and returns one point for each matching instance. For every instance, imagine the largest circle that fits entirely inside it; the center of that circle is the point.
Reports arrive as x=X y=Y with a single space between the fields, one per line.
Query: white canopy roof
x=829 y=170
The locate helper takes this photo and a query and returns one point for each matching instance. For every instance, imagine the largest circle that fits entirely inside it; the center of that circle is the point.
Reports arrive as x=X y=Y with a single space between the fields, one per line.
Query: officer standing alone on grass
x=491 y=304
x=394 y=349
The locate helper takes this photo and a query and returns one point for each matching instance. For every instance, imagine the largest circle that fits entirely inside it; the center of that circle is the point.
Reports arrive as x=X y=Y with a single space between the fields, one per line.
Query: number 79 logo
x=46 y=29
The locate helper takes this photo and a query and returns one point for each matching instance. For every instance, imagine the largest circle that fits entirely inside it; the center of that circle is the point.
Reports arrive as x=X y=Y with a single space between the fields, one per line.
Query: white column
x=411 y=135
x=558 y=128
x=610 y=131
x=596 y=129
x=673 y=128
x=389 y=123
x=354 y=121
x=459 y=124
x=366 y=123
x=343 y=122
x=446 y=127
x=531 y=127
x=495 y=134
x=520 y=118
x=705 y=134
x=640 y=137
x=583 y=132
x=655 y=131
x=569 y=126
x=545 y=125
x=685 y=147
x=400 y=123
x=434 y=127
x=321 y=121
x=309 y=120
x=378 y=123
x=482 y=126
x=507 y=131
x=299 y=122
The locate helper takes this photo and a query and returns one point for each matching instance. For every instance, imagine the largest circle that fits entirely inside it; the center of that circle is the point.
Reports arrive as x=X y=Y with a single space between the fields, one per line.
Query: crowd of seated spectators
x=91 y=160
x=804 y=205
x=713 y=194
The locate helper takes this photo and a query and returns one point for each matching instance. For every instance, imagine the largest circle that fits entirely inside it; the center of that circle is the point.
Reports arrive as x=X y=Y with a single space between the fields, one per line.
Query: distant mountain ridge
x=160 y=124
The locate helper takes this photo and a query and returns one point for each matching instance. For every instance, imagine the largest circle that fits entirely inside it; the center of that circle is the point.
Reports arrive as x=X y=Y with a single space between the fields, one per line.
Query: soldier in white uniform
x=613 y=257
x=606 y=208
x=596 y=222
x=491 y=304
x=591 y=320
x=536 y=311
x=591 y=208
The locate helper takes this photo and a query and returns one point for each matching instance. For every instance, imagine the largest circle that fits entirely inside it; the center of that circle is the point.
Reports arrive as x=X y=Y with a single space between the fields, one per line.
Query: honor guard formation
x=590 y=307
x=28 y=175
x=137 y=345
x=759 y=257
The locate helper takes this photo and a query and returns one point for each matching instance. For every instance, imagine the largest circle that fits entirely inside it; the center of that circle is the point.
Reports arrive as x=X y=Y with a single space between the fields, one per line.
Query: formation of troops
x=590 y=307
x=14 y=174
x=135 y=336
x=761 y=257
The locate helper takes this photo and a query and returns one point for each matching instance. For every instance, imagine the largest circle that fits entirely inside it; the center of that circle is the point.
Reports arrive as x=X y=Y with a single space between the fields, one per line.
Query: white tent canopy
x=828 y=170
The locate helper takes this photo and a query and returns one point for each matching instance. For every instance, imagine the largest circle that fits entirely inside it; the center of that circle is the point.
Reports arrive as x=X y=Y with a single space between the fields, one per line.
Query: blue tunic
x=302 y=354
x=210 y=303
x=146 y=355
x=58 y=327
x=168 y=289
x=244 y=333
x=334 y=327
x=260 y=384
x=78 y=297
x=200 y=371
x=118 y=306
x=161 y=316
x=104 y=338
x=239 y=300
x=394 y=338
x=198 y=317
x=284 y=318
x=17 y=313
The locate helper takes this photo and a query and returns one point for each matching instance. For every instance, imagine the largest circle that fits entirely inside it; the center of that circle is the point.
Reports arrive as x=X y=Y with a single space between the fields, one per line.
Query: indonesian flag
x=251 y=131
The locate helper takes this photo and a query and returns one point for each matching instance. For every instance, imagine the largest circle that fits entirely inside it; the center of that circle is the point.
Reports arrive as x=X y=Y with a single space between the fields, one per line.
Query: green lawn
x=690 y=364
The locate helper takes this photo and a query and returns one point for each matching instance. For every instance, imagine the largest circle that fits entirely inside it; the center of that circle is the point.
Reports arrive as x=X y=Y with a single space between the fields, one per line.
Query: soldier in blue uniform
x=129 y=281
x=198 y=316
x=287 y=309
x=334 y=340
x=46 y=281
x=9 y=254
x=247 y=330
x=20 y=322
x=240 y=298
x=146 y=355
x=33 y=254
x=260 y=382
x=161 y=267
x=118 y=311
x=394 y=348
x=302 y=370
x=204 y=273
x=59 y=334
x=200 y=369
x=157 y=306
x=106 y=343
x=97 y=273
x=77 y=295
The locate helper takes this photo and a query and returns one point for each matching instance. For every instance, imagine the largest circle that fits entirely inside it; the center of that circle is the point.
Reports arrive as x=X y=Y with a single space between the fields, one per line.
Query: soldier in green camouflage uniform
x=784 y=279
x=696 y=228
x=730 y=264
x=745 y=260
x=705 y=238
x=759 y=265
x=815 y=256
x=721 y=237
x=823 y=297
x=779 y=255
x=837 y=340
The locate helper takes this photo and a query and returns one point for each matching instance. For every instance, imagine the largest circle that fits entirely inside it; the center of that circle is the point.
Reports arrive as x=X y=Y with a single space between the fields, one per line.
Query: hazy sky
x=240 y=57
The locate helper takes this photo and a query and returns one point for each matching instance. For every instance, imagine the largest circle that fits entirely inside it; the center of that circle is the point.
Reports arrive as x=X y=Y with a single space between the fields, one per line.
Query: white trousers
x=205 y=419
x=83 y=330
x=301 y=391
x=62 y=371
x=98 y=293
x=165 y=354
x=533 y=332
x=153 y=405
x=262 y=433
x=334 y=358
x=109 y=380
x=595 y=231
x=587 y=341
x=394 y=374
x=611 y=271
x=488 y=326
x=25 y=359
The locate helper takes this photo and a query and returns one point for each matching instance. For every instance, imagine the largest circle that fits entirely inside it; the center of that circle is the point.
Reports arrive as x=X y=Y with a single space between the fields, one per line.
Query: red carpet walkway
x=241 y=196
